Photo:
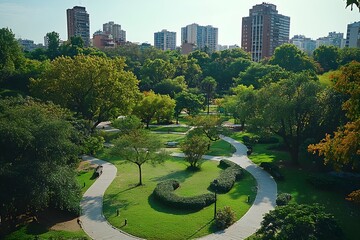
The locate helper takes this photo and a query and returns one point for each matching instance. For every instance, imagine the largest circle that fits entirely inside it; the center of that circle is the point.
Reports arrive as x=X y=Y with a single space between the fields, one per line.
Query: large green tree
x=189 y=102
x=299 y=222
x=53 y=39
x=139 y=146
x=154 y=106
x=154 y=71
x=288 y=108
x=194 y=147
x=208 y=86
x=342 y=149
x=39 y=154
x=327 y=57
x=96 y=88
x=289 y=57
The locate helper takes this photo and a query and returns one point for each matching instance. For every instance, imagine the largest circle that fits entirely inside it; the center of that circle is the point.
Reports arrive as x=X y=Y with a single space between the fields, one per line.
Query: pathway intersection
x=98 y=228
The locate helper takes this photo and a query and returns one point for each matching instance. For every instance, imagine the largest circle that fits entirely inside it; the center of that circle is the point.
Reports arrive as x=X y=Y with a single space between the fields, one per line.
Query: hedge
x=231 y=173
x=272 y=169
x=164 y=192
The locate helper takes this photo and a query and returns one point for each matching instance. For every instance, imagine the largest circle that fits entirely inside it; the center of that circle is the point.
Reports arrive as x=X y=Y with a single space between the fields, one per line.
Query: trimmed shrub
x=164 y=192
x=231 y=173
x=272 y=169
x=225 y=218
x=283 y=199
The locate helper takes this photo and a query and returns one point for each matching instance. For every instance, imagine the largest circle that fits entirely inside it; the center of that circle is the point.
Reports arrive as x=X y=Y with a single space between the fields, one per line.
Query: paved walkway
x=96 y=226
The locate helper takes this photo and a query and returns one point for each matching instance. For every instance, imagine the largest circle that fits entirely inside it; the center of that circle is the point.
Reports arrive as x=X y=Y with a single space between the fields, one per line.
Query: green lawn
x=221 y=148
x=296 y=184
x=85 y=179
x=151 y=220
x=36 y=231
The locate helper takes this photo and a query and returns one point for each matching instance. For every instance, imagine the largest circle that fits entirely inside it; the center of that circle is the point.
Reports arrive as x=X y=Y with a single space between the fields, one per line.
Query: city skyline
x=141 y=19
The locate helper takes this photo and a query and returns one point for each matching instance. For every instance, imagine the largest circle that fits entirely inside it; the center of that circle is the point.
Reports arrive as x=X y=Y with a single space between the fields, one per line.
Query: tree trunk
x=294 y=154
x=140 y=175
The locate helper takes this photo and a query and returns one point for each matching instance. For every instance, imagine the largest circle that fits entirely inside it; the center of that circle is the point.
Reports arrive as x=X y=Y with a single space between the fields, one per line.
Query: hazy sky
x=32 y=19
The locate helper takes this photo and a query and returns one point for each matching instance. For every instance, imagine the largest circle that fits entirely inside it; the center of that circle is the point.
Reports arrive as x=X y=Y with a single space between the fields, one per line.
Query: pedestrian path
x=97 y=227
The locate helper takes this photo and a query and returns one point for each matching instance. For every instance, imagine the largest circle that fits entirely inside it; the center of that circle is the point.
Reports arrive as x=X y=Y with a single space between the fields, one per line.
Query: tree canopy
x=39 y=154
x=96 y=88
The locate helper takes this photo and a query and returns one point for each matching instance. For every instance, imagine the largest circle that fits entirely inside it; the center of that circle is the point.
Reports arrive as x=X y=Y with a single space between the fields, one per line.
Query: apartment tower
x=78 y=24
x=165 y=40
x=264 y=30
x=115 y=30
x=202 y=37
x=353 y=35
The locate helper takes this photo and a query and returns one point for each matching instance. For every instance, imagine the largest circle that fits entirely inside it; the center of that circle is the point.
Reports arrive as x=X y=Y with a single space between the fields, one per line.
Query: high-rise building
x=203 y=37
x=115 y=30
x=333 y=39
x=165 y=40
x=353 y=35
x=303 y=43
x=264 y=30
x=78 y=24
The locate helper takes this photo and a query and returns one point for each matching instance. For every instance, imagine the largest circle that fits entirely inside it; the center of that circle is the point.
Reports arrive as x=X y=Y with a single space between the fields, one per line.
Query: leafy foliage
x=96 y=88
x=139 y=147
x=272 y=169
x=164 y=192
x=294 y=221
x=194 y=147
x=231 y=173
x=354 y=196
x=328 y=57
x=283 y=199
x=39 y=154
x=225 y=218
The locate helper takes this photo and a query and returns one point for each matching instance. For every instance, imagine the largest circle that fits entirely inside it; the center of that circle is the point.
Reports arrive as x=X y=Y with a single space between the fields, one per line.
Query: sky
x=32 y=19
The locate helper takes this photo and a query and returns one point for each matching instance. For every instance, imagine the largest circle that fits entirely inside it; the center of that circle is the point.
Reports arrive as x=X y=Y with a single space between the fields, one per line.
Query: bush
x=164 y=192
x=322 y=182
x=250 y=140
x=354 y=197
x=272 y=169
x=283 y=199
x=225 y=218
x=231 y=173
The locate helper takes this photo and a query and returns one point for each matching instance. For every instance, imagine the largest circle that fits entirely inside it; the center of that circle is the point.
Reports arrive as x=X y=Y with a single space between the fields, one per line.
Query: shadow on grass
x=210 y=224
x=181 y=175
x=35 y=228
x=160 y=207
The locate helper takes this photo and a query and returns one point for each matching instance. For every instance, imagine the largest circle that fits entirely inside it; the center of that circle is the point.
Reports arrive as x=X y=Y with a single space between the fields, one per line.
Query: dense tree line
x=281 y=95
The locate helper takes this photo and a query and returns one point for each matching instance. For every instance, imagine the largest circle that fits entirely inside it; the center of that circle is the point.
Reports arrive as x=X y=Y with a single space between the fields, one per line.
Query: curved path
x=97 y=227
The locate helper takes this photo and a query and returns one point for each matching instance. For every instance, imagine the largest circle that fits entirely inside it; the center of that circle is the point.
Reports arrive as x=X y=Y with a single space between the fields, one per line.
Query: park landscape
x=172 y=125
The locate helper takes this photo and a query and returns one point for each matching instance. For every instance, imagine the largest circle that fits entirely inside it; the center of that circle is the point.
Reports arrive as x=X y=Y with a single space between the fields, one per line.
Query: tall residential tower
x=78 y=24
x=203 y=37
x=353 y=35
x=165 y=40
x=264 y=30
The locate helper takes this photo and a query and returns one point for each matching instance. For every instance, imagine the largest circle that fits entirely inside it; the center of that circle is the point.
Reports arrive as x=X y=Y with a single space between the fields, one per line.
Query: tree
x=256 y=74
x=343 y=148
x=289 y=57
x=53 y=39
x=39 y=155
x=294 y=221
x=242 y=104
x=208 y=85
x=127 y=124
x=139 y=146
x=288 y=109
x=154 y=71
x=11 y=56
x=327 y=57
x=96 y=88
x=153 y=106
x=171 y=86
x=189 y=69
x=347 y=55
x=209 y=125
x=194 y=147
x=189 y=102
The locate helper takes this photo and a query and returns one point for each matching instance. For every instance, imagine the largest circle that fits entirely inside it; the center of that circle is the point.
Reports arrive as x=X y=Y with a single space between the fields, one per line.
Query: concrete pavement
x=96 y=226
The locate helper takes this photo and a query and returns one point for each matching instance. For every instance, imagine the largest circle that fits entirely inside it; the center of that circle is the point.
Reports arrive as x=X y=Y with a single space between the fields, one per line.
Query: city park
x=297 y=121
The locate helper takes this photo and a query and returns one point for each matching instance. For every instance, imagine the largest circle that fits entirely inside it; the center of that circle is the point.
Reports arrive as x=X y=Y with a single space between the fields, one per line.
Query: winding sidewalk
x=97 y=227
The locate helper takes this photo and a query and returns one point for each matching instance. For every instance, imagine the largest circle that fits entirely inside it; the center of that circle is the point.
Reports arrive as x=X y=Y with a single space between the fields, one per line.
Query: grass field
x=151 y=220
x=35 y=231
x=296 y=184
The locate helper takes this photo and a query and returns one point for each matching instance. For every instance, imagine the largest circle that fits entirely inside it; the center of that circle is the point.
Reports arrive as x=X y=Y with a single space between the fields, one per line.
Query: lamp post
x=215 y=205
